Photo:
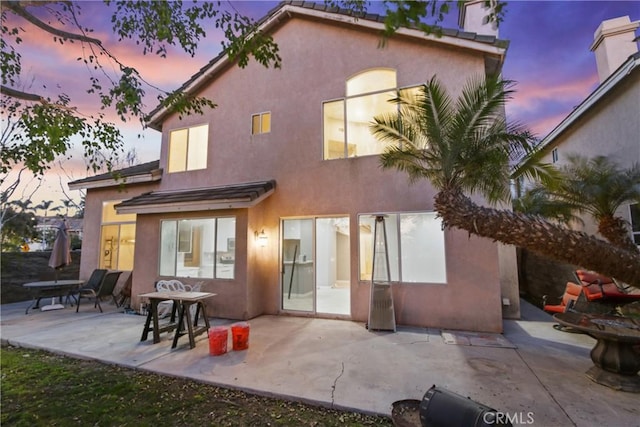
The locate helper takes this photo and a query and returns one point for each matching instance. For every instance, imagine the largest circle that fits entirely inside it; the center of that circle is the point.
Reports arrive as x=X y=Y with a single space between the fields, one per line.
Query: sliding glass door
x=297 y=265
x=316 y=265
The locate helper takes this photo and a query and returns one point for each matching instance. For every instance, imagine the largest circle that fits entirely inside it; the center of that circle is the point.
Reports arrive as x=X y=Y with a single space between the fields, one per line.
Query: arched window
x=347 y=120
x=371 y=81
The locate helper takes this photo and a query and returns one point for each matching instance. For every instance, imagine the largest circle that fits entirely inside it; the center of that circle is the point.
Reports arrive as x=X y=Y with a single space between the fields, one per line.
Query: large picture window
x=117 y=238
x=415 y=244
x=198 y=248
x=346 y=121
x=188 y=149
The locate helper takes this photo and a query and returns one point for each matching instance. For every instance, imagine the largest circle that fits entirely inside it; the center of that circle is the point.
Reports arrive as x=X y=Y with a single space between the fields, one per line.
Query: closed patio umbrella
x=60 y=256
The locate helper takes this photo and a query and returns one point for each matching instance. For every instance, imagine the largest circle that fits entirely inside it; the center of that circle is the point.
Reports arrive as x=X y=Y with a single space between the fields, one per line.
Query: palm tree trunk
x=538 y=235
x=615 y=230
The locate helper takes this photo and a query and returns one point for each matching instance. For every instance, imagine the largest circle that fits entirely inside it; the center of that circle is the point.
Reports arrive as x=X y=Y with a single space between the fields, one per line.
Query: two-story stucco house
x=269 y=199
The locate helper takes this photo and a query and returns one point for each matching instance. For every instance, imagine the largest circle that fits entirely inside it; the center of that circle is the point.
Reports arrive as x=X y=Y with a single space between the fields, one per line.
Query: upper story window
x=346 y=121
x=554 y=155
x=261 y=123
x=635 y=222
x=188 y=149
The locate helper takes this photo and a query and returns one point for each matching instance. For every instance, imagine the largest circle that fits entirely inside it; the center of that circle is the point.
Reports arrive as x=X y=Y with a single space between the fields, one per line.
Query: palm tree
x=67 y=204
x=45 y=205
x=599 y=187
x=539 y=201
x=463 y=148
x=23 y=205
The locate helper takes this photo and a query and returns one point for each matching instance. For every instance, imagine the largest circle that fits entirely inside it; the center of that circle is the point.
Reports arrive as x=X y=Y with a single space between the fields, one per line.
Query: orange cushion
x=592 y=292
x=555 y=308
x=592 y=277
x=573 y=289
x=571 y=293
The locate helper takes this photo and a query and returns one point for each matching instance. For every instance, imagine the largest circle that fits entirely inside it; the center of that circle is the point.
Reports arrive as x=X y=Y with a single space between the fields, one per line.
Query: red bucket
x=218 y=340
x=240 y=336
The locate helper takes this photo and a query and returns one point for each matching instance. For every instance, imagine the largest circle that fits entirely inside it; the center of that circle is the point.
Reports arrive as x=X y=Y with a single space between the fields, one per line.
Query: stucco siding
x=317 y=60
x=93 y=219
x=611 y=128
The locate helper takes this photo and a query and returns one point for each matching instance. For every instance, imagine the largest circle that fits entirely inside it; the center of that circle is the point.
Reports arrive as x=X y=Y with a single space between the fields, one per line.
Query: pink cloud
x=537 y=92
x=542 y=106
x=50 y=68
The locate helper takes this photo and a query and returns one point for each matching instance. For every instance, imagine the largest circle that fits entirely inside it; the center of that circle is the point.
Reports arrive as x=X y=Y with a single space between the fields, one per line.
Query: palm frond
x=597 y=185
x=464 y=144
x=540 y=201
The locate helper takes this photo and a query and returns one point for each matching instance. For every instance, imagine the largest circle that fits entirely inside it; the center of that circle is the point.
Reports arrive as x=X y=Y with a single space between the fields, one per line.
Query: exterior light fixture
x=262 y=238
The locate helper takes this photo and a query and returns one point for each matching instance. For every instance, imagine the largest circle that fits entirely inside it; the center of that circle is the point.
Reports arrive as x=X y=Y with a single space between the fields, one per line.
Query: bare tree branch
x=18 y=94
x=19 y=10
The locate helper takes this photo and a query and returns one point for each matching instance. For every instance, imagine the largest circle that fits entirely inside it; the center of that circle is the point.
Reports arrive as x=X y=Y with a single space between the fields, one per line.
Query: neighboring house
x=269 y=198
x=47 y=228
x=607 y=122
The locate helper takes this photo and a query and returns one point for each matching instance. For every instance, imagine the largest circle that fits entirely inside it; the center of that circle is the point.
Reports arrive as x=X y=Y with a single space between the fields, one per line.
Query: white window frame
x=260 y=117
x=395 y=234
x=216 y=257
x=186 y=167
x=119 y=241
x=349 y=150
x=635 y=227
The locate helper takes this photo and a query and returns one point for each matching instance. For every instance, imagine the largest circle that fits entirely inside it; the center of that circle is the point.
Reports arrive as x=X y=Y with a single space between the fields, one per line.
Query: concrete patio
x=532 y=371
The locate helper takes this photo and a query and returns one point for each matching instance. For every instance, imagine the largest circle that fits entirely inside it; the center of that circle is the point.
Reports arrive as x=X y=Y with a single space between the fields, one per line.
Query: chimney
x=474 y=18
x=613 y=42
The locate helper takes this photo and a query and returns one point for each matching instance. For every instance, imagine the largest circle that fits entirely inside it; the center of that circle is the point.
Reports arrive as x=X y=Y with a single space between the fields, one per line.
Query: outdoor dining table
x=182 y=302
x=50 y=288
x=616 y=355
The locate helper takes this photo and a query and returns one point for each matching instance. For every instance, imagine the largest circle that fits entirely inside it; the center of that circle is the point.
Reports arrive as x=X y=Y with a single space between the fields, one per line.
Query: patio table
x=182 y=302
x=616 y=355
x=50 y=288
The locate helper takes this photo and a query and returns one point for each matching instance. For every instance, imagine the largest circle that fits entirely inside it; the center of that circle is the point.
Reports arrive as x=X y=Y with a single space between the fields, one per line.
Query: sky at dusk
x=548 y=58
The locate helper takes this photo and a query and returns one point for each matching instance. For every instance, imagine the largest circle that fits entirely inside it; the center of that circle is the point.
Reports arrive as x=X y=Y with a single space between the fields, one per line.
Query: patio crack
x=549 y=393
x=333 y=387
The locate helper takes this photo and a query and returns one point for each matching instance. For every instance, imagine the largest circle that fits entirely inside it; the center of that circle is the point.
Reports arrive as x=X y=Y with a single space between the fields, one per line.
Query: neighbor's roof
x=146 y=172
x=320 y=11
x=630 y=67
x=232 y=196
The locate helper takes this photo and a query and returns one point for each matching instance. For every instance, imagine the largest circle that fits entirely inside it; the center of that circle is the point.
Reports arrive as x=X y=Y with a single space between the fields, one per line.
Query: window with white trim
x=261 y=123
x=203 y=247
x=554 y=155
x=188 y=149
x=415 y=244
x=117 y=238
x=635 y=222
x=346 y=121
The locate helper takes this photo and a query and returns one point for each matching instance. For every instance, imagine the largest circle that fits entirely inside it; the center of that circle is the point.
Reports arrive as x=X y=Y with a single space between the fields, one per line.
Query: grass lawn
x=45 y=389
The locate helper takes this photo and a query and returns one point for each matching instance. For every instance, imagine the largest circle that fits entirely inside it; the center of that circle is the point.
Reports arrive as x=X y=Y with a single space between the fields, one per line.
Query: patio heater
x=381 y=312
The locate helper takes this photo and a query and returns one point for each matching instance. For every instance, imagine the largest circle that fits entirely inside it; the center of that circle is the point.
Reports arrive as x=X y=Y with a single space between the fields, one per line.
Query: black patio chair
x=105 y=289
x=96 y=278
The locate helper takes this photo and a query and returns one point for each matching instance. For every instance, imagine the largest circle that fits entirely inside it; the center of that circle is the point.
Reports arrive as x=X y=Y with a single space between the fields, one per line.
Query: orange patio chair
x=571 y=294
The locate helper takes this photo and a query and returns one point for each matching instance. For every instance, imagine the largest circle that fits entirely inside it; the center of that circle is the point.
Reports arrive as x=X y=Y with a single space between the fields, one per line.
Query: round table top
x=602 y=325
x=53 y=284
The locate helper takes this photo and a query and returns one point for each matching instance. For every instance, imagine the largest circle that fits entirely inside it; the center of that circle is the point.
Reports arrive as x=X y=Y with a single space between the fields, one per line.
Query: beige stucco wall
x=146 y=266
x=317 y=60
x=609 y=129
x=93 y=219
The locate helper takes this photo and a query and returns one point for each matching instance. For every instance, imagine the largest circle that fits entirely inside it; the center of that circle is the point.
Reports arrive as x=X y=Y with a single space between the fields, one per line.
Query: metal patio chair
x=105 y=289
